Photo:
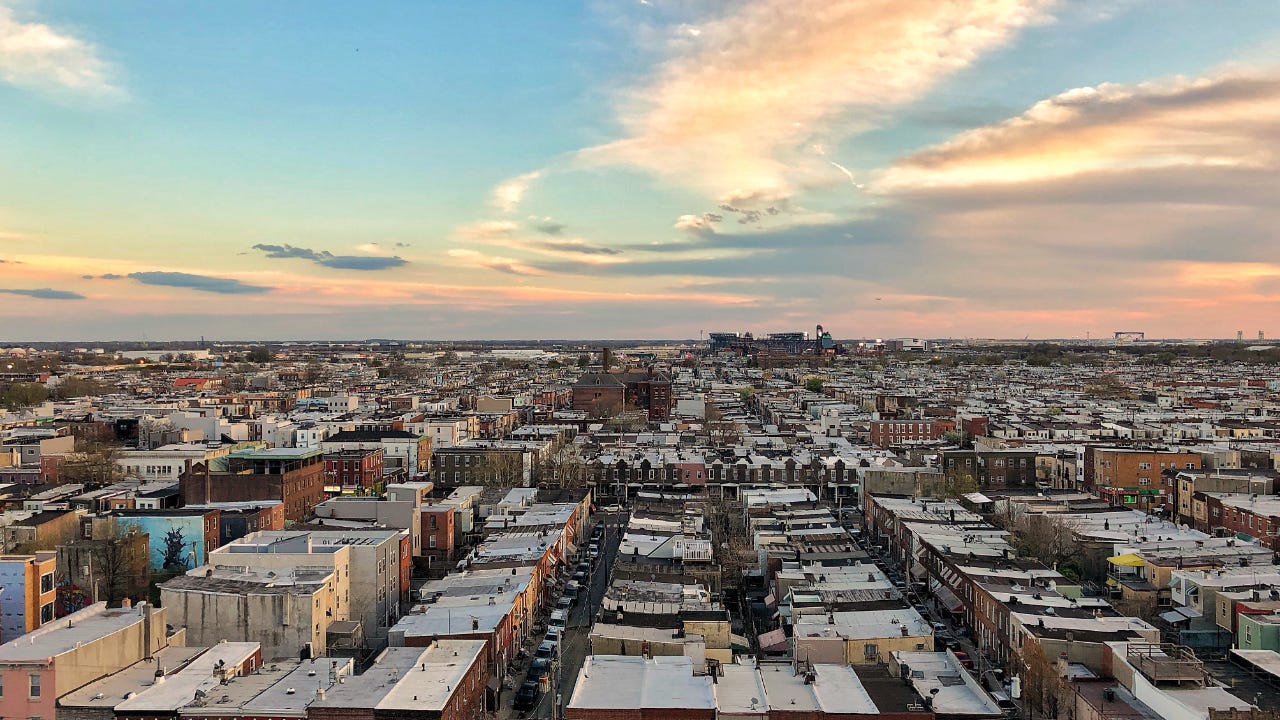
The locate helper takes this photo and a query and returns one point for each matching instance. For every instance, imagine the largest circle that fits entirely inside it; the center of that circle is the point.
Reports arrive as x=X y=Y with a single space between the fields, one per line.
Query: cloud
x=204 y=283
x=1213 y=124
x=730 y=112
x=104 y=276
x=547 y=226
x=508 y=195
x=44 y=293
x=575 y=245
x=699 y=224
x=510 y=266
x=329 y=260
x=35 y=55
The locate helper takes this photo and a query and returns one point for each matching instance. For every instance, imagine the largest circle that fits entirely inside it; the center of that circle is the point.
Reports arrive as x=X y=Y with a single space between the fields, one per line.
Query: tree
x=554 y=364
x=1047 y=538
x=584 y=360
x=813 y=384
x=95 y=466
x=499 y=468
x=74 y=387
x=260 y=354
x=732 y=543
x=1042 y=690
x=721 y=432
x=1108 y=386
x=21 y=395
x=447 y=358
x=957 y=483
x=563 y=467
x=312 y=373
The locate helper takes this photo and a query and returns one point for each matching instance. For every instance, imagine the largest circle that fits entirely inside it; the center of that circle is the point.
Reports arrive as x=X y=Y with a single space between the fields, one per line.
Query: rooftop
x=637 y=683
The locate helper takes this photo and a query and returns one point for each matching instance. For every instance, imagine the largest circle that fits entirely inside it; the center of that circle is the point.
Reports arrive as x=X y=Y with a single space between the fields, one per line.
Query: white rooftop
x=637 y=683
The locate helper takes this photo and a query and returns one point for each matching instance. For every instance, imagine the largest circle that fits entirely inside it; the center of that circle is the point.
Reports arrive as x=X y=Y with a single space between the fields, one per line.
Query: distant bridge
x=1130 y=335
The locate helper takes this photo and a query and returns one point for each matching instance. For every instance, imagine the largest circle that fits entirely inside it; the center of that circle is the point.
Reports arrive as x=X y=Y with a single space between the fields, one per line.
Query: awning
x=1127 y=560
x=1178 y=615
x=977 y=498
x=773 y=640
x=948 y=600
x=737 y=642
x=918 y=571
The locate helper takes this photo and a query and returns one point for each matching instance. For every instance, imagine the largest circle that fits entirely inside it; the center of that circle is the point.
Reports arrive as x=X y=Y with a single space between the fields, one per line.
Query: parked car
x=545 y=650
x=559 y=619
x=564 y=603
x=612 y=508
x=583 y=567
x=944 y=641
x=527 y=695
x=1002 y=699
x=593 y=551
x=964 y=659
x=538 y=669
x=572 y=589
x=552 y=636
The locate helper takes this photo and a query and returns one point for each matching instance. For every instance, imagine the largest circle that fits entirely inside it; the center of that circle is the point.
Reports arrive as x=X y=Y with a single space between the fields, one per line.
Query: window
x=870 y=650
x=35 y=685
x=1248 y=633
x=46 y=583
x=1144 y=481
x=1145 y=466
x=46 y=613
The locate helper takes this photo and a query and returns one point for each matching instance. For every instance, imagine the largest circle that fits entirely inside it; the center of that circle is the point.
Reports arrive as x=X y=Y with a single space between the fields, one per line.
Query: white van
x=559 y=619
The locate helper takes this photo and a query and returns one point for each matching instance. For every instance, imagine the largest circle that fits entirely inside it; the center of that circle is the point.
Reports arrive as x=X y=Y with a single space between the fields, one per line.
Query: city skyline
x=636 y=169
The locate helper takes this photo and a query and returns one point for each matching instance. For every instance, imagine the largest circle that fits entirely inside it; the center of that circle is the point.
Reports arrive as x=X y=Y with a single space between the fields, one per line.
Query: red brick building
x=295 y=476
x=438 y=529
x=887 y=433
x=354 y=471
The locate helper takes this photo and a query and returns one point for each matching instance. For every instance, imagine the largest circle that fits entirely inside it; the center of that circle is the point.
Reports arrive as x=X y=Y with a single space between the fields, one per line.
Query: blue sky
x=641 y=168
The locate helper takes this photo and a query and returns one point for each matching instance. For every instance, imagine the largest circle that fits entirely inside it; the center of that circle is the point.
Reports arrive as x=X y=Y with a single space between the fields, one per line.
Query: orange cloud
x=730 y=114
x=1223 y=122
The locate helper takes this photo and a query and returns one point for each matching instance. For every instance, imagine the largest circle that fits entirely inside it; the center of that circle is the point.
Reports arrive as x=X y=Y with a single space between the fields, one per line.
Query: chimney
x=320 y=693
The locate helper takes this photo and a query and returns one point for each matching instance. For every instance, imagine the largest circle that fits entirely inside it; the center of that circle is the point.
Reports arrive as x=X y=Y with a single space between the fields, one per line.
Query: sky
x=510 y=169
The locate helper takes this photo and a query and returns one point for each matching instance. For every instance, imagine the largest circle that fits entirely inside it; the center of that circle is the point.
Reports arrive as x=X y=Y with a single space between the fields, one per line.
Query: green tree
x=813 y=384
x=584 y=360
x=260 y=354
x=447 y=358
x=20 y=395
x=74 y=387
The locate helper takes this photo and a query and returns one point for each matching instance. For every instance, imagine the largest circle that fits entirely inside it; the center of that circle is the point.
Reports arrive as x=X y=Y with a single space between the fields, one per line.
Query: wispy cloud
x=35 y=55
x=510 y=266
x=337 y=262
x=1215 y=123
x=44 y=293
x=508 y=195
x=731 y=112
x=204 y=283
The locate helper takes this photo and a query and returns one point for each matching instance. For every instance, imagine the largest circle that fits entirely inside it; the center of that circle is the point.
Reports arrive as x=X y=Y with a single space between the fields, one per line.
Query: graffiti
x=71 y=598
x=174 y=559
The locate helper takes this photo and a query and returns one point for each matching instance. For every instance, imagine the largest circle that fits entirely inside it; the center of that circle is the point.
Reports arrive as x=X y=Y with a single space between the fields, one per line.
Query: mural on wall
x=71 y=598
x=176 y=542
x=175 y=557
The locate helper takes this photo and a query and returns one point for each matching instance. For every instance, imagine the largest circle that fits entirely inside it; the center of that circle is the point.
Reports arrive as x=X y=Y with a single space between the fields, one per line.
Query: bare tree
x=957 y=484
x=721 y=432
x=1047 y=538
x=563 y=467
x=1043 y=690
x=733 y=549
x=499 y=469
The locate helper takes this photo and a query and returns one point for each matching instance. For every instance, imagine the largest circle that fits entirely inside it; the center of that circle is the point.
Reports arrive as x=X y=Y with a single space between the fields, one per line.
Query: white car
x=611 y=508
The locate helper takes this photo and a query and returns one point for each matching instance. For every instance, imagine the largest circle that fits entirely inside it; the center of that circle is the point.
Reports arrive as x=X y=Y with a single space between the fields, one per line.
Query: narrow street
x=574 y=644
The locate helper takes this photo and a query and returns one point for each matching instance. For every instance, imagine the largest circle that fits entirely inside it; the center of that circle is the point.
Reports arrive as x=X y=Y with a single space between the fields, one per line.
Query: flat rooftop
x=84 y=626
x=625 y=682
x=180 y=688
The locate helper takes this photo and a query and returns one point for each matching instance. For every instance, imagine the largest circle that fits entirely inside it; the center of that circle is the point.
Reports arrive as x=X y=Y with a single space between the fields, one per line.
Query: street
x=574 y=643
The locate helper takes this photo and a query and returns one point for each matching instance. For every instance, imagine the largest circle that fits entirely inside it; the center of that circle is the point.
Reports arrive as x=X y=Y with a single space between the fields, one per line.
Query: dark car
x=564 y=603
x=527 y=695
x=584 y=568
x=538 y=669
x=944 y=641
x=579 y=577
